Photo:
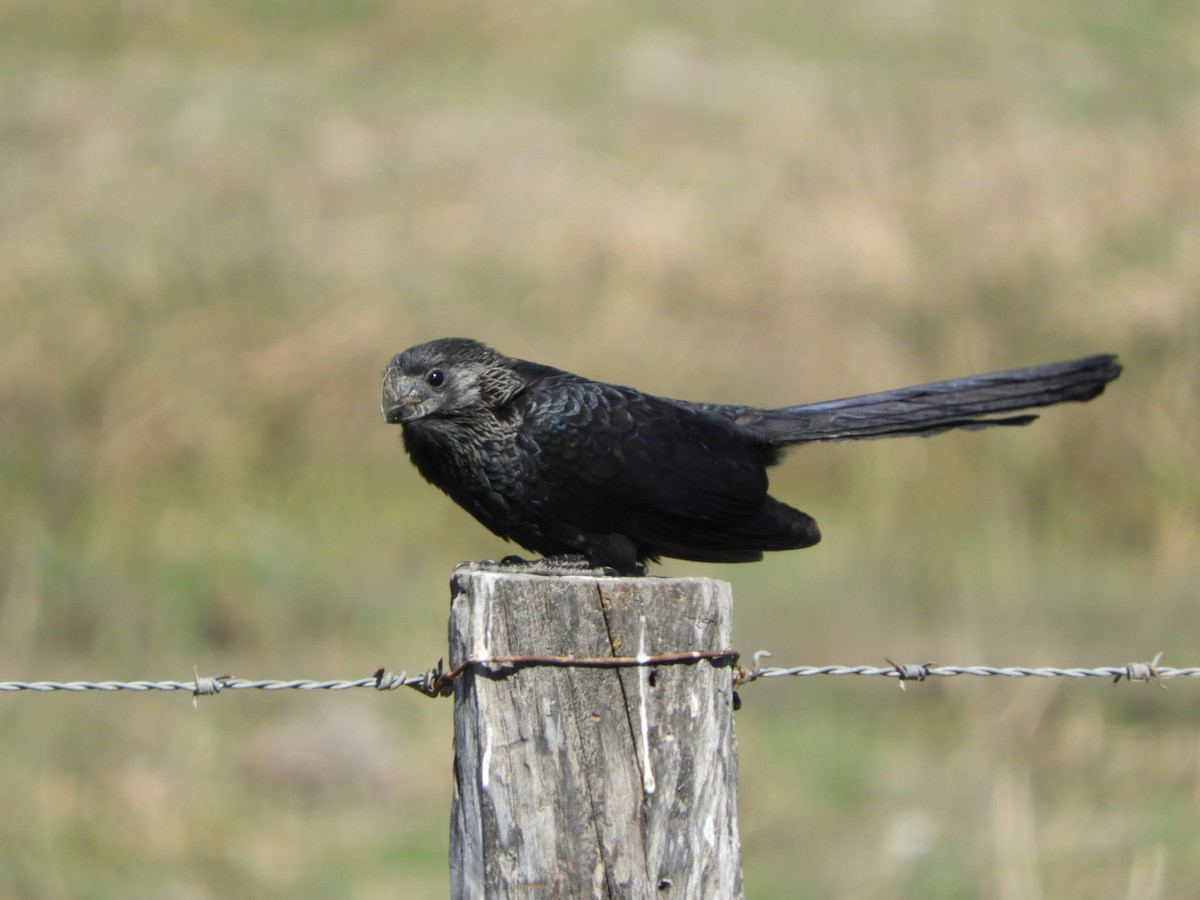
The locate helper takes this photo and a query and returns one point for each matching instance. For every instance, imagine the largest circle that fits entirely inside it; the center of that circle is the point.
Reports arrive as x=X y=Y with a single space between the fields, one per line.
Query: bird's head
x=443 y=378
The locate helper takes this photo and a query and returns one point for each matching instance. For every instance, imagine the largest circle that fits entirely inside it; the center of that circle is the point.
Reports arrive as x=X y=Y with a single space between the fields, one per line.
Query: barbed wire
x=439 y=682
x=1150 y=671
x=208 y=685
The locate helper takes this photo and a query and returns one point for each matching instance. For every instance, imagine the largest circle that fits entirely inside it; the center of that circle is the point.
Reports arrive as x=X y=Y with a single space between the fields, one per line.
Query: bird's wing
x=611 y=459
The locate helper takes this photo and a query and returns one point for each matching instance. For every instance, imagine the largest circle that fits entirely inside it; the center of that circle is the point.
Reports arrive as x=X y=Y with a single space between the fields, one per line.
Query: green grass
x=217 y=223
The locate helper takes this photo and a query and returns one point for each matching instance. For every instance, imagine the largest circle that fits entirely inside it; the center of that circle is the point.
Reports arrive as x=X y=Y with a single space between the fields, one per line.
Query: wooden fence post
x=592 y=782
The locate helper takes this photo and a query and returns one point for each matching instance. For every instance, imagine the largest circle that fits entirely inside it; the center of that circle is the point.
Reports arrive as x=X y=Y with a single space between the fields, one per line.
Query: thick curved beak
x=400 y=401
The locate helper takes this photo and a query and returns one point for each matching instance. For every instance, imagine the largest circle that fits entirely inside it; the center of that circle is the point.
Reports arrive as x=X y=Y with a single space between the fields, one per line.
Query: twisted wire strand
x=1150 y=671
x=1162 y=672
x=205 y=685
x=437 y=681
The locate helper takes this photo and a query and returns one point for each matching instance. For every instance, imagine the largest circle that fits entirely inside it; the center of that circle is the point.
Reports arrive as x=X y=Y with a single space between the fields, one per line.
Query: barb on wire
x=909 y=672
x=1145 y=671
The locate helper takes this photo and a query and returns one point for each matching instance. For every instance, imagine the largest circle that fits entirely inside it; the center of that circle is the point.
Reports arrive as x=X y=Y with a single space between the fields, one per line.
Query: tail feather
x=973 y=402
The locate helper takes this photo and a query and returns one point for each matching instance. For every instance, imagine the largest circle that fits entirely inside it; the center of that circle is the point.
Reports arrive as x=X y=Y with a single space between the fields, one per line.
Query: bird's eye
x=436 y=377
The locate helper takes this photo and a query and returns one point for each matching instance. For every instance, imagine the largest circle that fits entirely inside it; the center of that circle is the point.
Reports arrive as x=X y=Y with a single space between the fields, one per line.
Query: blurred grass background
x=219 y=220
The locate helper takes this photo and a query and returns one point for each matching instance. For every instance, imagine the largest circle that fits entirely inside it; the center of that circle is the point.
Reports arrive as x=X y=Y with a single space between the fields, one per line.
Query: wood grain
x=574 y=782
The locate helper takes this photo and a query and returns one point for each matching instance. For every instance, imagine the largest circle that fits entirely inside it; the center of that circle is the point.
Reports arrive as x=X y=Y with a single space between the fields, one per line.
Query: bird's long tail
x=974 y=402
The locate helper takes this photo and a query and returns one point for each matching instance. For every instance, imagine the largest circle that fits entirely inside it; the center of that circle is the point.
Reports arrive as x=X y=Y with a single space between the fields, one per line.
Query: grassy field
x=219 y=220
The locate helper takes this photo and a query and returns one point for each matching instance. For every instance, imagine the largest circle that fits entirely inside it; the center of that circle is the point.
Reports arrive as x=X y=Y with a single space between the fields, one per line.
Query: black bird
x=565 y=466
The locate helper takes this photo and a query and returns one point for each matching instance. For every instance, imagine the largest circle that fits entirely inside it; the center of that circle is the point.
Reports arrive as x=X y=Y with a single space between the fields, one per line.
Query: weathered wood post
x=592 y=782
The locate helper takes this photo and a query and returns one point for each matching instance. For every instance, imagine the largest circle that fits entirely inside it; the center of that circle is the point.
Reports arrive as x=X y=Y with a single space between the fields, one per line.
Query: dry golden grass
x=217 y=225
